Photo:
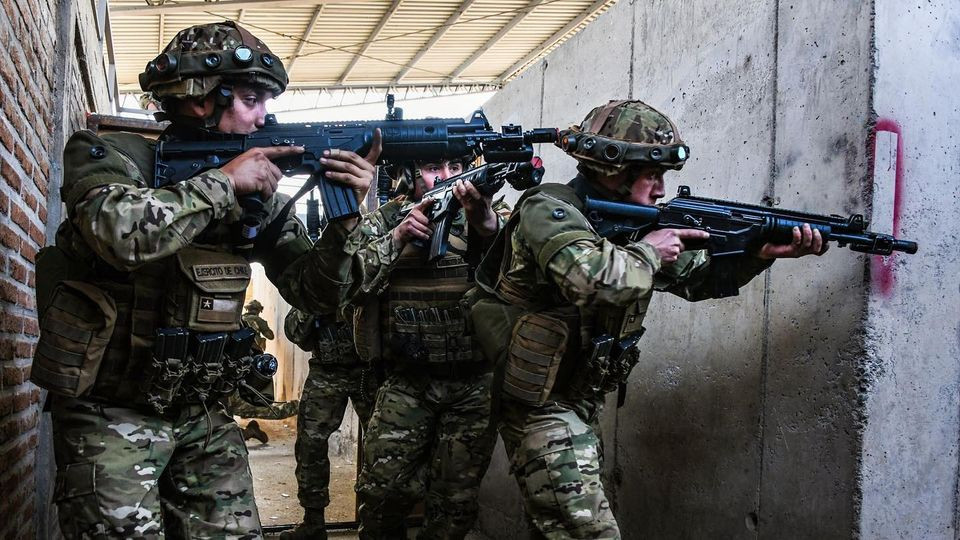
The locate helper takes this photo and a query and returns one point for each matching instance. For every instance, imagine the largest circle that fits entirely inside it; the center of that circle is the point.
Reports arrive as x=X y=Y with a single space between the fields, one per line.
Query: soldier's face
x=430 y=173
x=248 y=112
x=647 y=185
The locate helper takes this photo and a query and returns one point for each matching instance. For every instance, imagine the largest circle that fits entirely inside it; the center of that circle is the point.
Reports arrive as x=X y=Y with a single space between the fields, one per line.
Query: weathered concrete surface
x=812 y=416
x=749 y=417
x=910 y=443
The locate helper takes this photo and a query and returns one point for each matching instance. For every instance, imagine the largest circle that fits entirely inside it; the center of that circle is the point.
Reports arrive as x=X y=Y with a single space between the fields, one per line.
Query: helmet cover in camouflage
x=620 y=133
x=408 y=172
x=254 y=305
x=202 y=57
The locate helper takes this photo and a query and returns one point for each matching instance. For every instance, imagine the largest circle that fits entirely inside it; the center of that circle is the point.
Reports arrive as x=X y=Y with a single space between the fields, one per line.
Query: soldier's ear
x=195 y=107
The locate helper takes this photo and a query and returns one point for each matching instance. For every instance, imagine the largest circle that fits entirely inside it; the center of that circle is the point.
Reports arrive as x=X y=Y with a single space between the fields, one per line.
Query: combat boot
x=253 y=431
x=312 y=528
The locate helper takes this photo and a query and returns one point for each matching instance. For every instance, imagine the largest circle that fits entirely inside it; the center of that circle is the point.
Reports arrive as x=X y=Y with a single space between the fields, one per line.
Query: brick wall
x=48 y=80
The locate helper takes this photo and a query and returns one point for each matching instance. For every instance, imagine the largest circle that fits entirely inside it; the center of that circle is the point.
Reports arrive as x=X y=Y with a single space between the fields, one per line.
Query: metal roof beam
x=451 y=20
x=517 y=19
x=550 y=41
x=199 y=7
x=373 y=37
x=306 y=35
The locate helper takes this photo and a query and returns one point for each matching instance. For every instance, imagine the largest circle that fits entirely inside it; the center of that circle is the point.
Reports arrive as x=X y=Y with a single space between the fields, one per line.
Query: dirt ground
x=275 y=484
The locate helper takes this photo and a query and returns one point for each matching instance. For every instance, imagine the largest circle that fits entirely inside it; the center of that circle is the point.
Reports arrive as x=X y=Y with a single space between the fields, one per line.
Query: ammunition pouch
x=607 y=364
x=334 y=344
x=538 y=344
x=208 y=290
x=430 y=335
x=76 y=326
x=190 y=367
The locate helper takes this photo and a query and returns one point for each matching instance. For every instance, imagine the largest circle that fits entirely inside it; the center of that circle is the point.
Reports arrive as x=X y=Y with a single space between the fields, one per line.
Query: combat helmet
x=212 y=57
x=407 y=172
x=254 y=305
x=615 y=136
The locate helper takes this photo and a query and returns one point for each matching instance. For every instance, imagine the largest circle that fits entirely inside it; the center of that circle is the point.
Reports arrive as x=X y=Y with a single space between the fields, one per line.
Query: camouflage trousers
x=122 y=473
x=555 y=455
x=322 y=406
x=429 y=436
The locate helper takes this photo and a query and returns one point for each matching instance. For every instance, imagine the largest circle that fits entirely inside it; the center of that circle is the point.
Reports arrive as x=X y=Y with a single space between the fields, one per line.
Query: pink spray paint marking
x=882 y=269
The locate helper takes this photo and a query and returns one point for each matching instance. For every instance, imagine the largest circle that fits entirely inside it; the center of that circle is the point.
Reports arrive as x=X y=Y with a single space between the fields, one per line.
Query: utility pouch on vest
x=207 y=295
x=537 y=345
x=74 y=331
x=607 y=364
x=167 y=367
x=334 y=344
x=430 y=335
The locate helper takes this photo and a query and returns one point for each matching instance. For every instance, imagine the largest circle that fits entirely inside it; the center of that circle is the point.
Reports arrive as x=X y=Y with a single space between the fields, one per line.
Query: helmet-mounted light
x=616 y=152
x=243 y=55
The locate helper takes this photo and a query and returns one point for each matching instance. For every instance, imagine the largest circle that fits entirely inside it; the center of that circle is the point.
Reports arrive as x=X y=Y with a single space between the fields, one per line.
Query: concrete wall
x=746 y=417
x=910 y=454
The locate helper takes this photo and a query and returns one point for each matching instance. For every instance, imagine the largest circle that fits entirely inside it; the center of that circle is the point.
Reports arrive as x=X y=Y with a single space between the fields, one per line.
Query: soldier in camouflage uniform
x=336 y=373
x=430 y=430
x=142 y=287
x=253 y=320
x=563 y=308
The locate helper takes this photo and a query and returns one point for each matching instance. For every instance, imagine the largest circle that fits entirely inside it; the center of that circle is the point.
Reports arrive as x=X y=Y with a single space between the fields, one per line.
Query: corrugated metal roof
x=366 y=43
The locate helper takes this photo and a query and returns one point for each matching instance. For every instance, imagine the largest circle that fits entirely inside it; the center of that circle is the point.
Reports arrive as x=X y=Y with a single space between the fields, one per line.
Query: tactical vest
x=329 y=341
x=421 y=317
x=98 y=325
x=548 y=348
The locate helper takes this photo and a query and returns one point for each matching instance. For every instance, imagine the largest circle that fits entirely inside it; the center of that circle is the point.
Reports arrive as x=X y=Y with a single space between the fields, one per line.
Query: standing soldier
x=430 y=427
x=336 y=373
x=254 y=321
x=559 y=295
x=141 y=296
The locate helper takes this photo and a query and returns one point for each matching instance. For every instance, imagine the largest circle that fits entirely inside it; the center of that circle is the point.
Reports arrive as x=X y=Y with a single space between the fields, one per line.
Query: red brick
x=4 y=204
x=20 y=217
x=36 y=235
x=24 y=349
x=9 y=292
x=6 y=405
x=6 y=136
x=27 y=300
x=25 y=161
x=30 y=201
x=31 y=279
x=17 y=271
x=21 y=399
x=11 y=323
x=8 y=347
x=45 y=167
x=8 y=75
x=42 y=213
x=13 y=375
x=28 y=252
x=31 y=327
x=10 y=175
x=9 y=237
x=41 y=182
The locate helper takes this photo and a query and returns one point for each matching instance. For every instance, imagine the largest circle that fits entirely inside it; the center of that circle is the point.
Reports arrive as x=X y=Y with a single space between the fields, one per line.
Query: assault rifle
x=735 y=228
x=488 y=179
x=178 y=160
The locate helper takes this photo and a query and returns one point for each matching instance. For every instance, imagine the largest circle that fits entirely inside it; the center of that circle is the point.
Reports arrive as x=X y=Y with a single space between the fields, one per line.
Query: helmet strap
x=222 y=100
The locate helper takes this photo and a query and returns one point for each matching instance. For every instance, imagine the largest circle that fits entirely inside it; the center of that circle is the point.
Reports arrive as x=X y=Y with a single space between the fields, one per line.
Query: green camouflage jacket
x=373 y=253
x=114 y=217
x=549 y=254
